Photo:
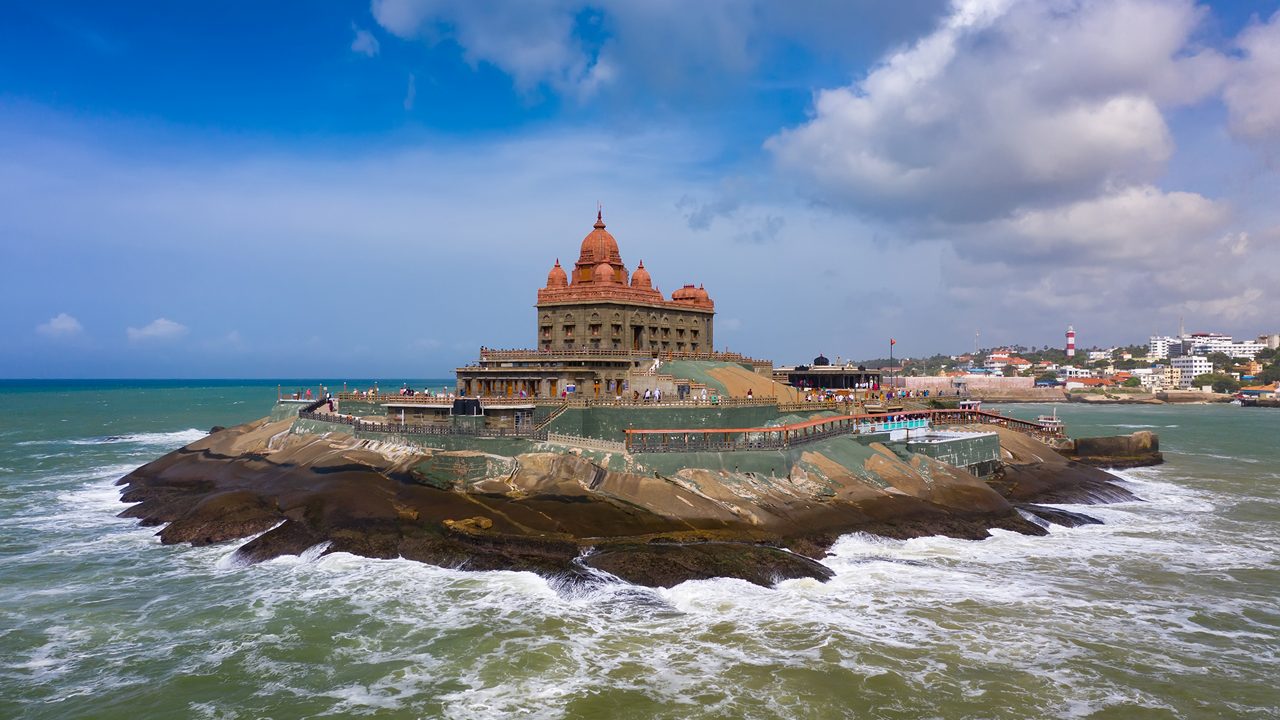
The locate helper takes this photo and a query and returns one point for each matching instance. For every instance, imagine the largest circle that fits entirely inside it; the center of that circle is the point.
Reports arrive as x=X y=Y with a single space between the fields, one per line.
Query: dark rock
x=1058 y=516
x=667 y=565
x=222 y=516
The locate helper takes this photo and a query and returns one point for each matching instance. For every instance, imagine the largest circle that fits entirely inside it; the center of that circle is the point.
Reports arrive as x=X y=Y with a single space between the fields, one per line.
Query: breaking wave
x=158 y=439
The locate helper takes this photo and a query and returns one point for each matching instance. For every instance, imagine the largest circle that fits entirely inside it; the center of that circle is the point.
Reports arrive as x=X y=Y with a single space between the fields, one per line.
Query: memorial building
x=595 y=324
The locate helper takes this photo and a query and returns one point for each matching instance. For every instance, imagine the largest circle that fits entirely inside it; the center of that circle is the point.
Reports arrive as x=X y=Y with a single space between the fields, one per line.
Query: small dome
x=821 y=360
x=640 y=278
x=599 y=246
x=557 y=278
x=603 y=273
x=688 y=292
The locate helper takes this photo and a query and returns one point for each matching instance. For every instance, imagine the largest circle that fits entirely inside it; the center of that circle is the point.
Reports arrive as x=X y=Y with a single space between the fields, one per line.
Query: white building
x=1096 y=355
x=1245 y=349
x=1189 y=367
x=1068 y=371
x=1206 y=343
x=1158 y=346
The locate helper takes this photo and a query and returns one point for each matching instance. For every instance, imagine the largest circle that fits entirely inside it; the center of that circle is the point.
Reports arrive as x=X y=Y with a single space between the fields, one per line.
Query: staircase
x=547 y=420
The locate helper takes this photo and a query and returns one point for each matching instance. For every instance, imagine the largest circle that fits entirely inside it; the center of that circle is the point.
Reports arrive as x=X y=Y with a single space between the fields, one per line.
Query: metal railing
x=805 y=405
x=411 y=429
x=784 y=436
x=555 y=413
x=439 y=400
x=535 y=353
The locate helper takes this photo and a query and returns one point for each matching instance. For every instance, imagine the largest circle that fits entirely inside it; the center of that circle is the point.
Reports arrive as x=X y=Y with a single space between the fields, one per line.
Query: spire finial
x=599 y=215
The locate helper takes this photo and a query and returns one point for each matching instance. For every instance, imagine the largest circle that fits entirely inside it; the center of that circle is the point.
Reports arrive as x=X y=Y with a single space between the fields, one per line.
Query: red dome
x=599 y=246
x=603 y=273
x=557 y=278
x=640 y=278
x=688 y=292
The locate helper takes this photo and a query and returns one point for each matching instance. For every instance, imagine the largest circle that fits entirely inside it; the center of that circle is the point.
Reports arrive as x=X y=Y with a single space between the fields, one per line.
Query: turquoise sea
x=1171 y=609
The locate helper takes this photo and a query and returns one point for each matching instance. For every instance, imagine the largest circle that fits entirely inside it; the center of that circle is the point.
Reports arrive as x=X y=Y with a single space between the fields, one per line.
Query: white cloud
x=158 y=329
x=1251 y=96
x=532 y=41
x=1028 y=139
x=1140 y=223
x=581 y=47
x=364 y=42
x=60 y=326
x=1006 y=105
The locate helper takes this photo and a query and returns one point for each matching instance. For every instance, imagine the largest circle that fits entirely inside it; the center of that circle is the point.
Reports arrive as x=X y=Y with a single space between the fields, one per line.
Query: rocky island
x=564 y=511
x=622 y=444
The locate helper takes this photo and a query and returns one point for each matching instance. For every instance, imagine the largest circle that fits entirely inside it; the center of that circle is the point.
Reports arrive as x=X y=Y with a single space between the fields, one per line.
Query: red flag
x=892 y=341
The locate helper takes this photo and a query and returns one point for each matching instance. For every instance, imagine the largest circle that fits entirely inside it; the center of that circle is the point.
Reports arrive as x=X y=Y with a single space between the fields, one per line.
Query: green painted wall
x=611 y=423
x=497 y=446
x=978 y=451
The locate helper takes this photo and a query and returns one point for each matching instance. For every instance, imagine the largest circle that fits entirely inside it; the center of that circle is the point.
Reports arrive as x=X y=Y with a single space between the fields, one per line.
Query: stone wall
x=614 y=326
x=611 y=423
x=1136 y=450
x=975 y=383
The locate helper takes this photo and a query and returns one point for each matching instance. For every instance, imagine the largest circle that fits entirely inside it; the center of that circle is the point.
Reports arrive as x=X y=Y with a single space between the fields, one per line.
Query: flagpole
x=892 y=372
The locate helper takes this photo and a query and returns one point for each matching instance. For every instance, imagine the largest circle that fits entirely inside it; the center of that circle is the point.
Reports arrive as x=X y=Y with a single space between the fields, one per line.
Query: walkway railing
x=785 y=436
x=406 y=429
x=804 y=406
x=586 y=442
x=555 y=413
x=533 y=353
x=440 y=400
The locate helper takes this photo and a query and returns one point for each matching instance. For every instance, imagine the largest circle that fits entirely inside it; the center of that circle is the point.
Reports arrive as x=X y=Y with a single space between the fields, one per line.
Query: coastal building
x=1206 y=343
x=1158 y=346
x=1070 y=371
x=1245 y=349
x=821 y=374
x=600 y=327
x=603 y=306
x=1189 y=367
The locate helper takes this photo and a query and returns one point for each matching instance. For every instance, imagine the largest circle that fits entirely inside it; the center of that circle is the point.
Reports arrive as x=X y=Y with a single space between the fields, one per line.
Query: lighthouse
x=1071 y=341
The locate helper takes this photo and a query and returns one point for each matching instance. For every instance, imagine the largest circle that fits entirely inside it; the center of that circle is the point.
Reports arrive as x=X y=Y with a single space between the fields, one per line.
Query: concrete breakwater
x=1139 y=449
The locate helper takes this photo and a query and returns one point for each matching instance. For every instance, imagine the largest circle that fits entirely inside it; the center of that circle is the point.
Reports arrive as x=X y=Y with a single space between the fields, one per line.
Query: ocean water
x=1169 y=610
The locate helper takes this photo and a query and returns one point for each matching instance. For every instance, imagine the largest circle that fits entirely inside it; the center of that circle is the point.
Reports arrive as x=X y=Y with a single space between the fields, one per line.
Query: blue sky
x=377 y=189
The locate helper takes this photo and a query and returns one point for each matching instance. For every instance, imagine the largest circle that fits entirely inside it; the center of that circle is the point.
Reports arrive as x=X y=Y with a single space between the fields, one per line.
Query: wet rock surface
x=561 y=514
x=1035 y=473
x=1058 y=516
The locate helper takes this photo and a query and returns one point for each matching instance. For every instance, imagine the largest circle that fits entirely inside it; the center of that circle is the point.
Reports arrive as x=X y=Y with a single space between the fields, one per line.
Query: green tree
x=1265 y=354
x=1132 y=382
x=1221 y=361
x=1221 y=383
x=1047 y=377
x=1010 y=371
x=1269 y=374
